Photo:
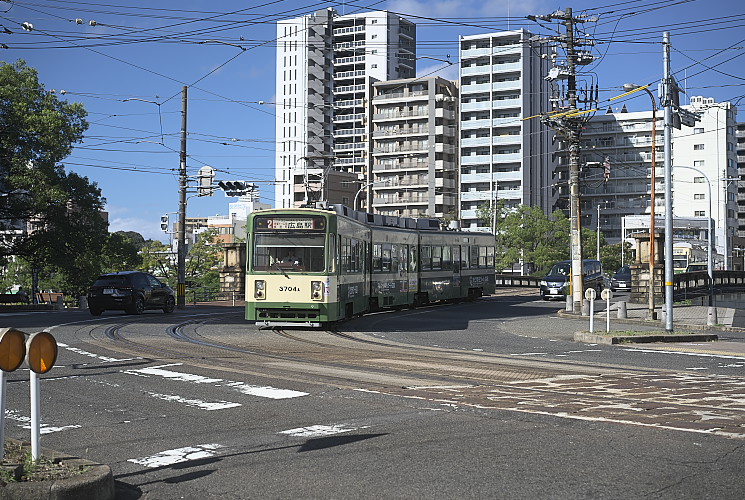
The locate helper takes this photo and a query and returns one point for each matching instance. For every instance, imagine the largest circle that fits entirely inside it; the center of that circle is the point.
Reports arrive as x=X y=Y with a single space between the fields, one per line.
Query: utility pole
x=568 y=120
x=667 y=96
x=181 y=258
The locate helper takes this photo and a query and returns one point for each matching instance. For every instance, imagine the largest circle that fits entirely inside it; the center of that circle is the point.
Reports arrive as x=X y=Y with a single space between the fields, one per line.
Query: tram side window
x=474 y=256
x=490 y=257
x=447 y=259
x=351 y=255
x=464 y=262
x=377 y=258
x=482 y=258
x=426 y=258
x=413 y=259
x=436 y=258
x=386 y=258
x=395 y=258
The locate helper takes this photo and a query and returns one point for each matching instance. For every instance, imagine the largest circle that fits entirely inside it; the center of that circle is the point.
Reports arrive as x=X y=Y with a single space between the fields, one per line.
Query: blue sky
x=128 y=71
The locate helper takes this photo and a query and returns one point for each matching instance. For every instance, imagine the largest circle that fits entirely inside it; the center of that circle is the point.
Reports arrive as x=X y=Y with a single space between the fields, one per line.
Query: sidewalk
x=729 y=326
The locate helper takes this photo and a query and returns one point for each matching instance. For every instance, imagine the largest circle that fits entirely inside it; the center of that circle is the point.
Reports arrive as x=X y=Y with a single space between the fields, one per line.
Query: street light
x=357 y=194
x=710 y=262
x=630 y=88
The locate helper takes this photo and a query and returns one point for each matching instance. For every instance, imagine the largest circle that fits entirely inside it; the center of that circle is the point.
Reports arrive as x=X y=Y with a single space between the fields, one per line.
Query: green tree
x=37 y=131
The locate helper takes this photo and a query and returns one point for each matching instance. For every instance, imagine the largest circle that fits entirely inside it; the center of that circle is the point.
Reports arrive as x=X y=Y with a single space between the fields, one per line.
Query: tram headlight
x=316 y=290
x=259 y=286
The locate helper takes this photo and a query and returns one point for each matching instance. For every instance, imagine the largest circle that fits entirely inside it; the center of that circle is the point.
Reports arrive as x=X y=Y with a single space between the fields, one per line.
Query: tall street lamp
x=709 y=242
x=630 y=88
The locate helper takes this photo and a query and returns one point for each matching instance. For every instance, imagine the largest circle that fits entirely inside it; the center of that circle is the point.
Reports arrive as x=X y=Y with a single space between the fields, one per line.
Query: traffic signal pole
x=181 y=256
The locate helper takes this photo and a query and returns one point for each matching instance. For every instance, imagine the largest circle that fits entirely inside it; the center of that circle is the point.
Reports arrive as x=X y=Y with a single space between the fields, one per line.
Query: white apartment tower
x=504 y=154
x=326 y=64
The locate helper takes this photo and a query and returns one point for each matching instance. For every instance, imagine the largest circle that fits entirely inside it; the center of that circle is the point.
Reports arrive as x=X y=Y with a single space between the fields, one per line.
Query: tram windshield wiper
x=281 y=270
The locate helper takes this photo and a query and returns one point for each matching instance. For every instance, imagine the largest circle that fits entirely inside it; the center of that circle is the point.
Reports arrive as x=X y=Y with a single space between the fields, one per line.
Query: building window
x=699 y=213
x=698 y=163
x=699 y=196
x=698 y=147
x=699 y=180
x=698 y=130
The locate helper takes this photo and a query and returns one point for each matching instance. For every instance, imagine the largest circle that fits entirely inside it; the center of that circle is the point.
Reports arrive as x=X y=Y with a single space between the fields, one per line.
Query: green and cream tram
x=309 y=267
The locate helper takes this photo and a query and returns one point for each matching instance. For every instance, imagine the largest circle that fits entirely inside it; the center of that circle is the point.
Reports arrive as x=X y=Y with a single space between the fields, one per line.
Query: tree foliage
x=50 y=219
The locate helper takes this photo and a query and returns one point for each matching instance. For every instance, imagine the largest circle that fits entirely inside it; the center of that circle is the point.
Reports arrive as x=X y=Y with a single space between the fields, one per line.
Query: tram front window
x=289 y=253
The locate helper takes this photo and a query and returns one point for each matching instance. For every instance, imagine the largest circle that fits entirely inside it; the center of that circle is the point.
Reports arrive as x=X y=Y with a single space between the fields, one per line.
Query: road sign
x=12 y=349
x=606 y=294
x=41 y=352
x=590 y=294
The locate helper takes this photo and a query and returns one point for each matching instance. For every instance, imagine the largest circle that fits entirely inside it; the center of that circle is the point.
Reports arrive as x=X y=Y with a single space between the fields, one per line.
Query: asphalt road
x=473 y=400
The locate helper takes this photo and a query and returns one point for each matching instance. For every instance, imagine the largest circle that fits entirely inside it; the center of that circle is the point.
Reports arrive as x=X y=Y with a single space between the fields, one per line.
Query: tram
x=315 y=266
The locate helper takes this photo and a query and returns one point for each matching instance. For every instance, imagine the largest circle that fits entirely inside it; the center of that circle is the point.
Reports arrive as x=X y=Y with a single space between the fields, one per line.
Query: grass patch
x=17 y=465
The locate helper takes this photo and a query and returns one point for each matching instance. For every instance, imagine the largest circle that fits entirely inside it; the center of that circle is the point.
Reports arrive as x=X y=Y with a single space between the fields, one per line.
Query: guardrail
x=696 y=284
x=510 y=280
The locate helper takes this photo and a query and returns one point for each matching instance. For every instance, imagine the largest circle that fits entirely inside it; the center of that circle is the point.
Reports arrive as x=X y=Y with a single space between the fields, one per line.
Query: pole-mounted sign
x=40 y=353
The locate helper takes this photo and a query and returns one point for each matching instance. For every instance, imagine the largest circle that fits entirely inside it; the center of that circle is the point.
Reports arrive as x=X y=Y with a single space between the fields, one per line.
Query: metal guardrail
x=510 y=280
x=696 y=284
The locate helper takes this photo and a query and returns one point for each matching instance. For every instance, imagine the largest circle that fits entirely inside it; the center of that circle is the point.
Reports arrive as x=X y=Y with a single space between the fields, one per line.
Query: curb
x=641 y=321
x=95 y=482
x=593 y=338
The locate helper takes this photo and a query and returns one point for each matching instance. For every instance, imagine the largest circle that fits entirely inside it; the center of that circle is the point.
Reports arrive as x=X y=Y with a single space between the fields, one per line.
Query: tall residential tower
x=326 y=65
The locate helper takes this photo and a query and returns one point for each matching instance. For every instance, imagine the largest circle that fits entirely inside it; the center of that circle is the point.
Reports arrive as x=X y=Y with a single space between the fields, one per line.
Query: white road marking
x=197 y=403
x=683 y=353
x=321 y=430
x=25 y=423
x=92 y=355
x=178 y=455
x=242 y=387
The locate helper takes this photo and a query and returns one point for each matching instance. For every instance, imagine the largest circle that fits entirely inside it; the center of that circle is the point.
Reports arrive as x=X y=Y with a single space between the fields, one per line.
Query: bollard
x=585 y=307
x=711 y=318
x=83 y=302
x=60 y=303
x=621 y=312
x=569 y=307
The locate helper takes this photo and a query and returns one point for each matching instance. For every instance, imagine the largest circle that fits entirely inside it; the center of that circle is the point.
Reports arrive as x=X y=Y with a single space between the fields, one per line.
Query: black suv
x=130 y=291
x=558 y=280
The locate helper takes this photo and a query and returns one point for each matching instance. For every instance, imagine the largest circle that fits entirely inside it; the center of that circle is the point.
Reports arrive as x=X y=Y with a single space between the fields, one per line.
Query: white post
x=592 y=315
x=2 y=414
x=607 y=314
x=35 y=416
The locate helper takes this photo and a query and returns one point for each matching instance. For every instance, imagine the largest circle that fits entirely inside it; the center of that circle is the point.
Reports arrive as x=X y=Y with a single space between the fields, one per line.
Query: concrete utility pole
x=668 y=137
x=181 y=257
x=568 y=120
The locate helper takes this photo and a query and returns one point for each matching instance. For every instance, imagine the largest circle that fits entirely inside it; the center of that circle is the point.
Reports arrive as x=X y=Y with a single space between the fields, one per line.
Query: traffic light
x=164 y=223
x=236 y=188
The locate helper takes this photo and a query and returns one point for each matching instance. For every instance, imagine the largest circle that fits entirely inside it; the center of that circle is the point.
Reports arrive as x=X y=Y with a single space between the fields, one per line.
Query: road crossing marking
x=321 y=430
x=25 y=423
x=178 y=455
x=242 y=387
x=203 y=405
x=93 y=355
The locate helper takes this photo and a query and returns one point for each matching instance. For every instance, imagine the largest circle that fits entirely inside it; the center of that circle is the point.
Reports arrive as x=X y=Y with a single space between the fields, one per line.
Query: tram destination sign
x=285 y=223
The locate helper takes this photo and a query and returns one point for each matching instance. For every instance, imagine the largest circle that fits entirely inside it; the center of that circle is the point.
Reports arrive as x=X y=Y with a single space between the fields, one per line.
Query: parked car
x=621 y=279
x=555 y=285
x=130 y=291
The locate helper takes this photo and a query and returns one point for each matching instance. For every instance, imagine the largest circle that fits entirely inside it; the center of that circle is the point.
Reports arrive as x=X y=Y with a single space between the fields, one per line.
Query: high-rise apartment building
x=415 y=147
x=503 y=155
x=326 y=64
x=617 y=166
